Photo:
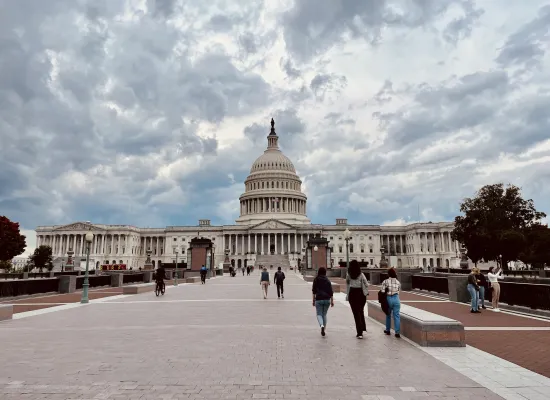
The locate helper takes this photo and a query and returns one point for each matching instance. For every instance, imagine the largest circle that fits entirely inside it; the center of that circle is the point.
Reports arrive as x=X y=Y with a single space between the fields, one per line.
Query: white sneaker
x=496 y=309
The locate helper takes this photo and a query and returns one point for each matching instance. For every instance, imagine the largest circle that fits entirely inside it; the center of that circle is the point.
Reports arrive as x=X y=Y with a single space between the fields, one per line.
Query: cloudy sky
x=151 y=112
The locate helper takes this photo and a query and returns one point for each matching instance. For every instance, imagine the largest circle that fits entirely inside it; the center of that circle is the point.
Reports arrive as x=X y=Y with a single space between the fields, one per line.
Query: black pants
x=203 y=277
x=357 y=301
x=280 y=289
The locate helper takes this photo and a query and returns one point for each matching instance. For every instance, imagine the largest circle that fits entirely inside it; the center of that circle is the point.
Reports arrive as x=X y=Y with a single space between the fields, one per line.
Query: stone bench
x=193 y=279
x=6 y=312
x=423 y=327
x=309 y=278
x=136 y=289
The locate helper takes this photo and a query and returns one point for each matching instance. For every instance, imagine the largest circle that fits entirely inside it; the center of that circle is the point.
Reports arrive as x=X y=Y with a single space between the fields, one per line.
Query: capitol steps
x=277 y=260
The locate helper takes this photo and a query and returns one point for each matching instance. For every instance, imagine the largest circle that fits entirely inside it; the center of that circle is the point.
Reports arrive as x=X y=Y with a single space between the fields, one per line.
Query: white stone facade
x=272 y=228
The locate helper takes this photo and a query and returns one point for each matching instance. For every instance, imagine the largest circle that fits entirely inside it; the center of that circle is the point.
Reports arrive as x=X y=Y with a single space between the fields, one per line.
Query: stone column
x=458 y=288
x=275 y=236
x=268 y=243
x=295 y=242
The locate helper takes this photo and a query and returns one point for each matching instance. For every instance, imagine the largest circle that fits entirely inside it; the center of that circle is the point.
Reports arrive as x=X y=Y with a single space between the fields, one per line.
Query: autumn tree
x=42 y=258
x=12 y=243
x=496 y=222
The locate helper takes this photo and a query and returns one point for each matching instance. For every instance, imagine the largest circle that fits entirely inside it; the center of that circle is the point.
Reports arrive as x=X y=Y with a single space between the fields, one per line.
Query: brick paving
x=216 y=341
x=528 y=349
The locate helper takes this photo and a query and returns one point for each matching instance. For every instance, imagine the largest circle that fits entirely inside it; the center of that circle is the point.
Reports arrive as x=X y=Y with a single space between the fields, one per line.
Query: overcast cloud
x=151 y=112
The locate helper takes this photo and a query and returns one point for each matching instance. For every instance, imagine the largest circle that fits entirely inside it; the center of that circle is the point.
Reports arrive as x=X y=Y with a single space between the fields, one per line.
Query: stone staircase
x=277 y=260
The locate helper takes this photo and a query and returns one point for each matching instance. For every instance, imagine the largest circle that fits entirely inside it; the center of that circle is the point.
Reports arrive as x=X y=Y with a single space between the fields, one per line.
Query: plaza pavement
x=221 y=340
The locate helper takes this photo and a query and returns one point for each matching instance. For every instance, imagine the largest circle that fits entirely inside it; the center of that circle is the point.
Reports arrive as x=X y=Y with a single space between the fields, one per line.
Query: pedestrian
x=482 y=282
x=279 y=279
x=495 y=286
x=322 y=297
x=392 y=287
x=265 y=282
x=357 y=293
x=473 y=289
x=203 y=274
x=247 y=271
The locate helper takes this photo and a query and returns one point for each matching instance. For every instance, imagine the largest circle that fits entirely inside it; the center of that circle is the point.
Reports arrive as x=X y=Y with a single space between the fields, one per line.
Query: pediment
x=271 y=224
x=77 y=226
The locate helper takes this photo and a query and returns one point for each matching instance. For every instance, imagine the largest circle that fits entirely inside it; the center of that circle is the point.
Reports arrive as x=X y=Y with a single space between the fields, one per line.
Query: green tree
x=537 y=253
x=496 y=222
x=42 y=258
x=6 y=266
x=12 y=243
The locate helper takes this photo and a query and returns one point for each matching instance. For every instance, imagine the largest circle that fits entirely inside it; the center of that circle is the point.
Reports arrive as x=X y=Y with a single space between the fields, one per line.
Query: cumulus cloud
x=151 y=113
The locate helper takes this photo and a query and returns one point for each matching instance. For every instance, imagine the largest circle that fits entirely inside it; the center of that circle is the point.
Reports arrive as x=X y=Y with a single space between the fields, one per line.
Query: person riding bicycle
x=160 y=275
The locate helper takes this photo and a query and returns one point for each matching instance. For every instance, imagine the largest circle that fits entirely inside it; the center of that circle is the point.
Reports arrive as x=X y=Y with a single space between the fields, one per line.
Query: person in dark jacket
x=483 y=286
x=279 y=279
x=473 y=289
x=322 y=297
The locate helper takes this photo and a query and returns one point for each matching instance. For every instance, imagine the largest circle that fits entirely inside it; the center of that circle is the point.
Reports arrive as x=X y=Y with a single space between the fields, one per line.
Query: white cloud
x=157 y=120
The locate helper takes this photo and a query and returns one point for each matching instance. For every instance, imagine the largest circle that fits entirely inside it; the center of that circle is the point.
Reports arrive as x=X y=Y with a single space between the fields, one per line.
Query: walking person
x=357 y=293
x=247 y=271
x=495 y=286
x=203 y=274
x=392 y=287
x=264 y=281
x=322 y=297
x=243 y=270
x=483 y=285
x=278 y=280
x=473 y=289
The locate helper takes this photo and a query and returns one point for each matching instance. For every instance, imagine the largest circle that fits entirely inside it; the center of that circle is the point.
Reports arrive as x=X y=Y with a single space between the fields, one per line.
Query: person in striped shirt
x=392 y=287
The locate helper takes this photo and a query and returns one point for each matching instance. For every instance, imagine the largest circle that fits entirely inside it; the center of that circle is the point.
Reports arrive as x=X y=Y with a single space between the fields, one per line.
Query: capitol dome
x=273 y=190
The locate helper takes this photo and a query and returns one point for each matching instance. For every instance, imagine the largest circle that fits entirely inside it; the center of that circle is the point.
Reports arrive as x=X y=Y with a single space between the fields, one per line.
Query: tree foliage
x=12 y=243
x=42 y=258
x=496 y=222
x=537 y=253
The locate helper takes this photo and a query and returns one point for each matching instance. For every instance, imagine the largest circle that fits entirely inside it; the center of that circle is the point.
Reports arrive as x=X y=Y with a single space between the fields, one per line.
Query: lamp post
x=347 y=237
x=89 y=237
x=500 y=261
x=176 y=273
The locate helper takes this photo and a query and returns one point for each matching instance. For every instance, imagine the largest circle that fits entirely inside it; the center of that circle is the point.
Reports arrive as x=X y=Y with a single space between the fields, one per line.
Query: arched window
x=351 y=247
x=362 y=248
x=340 y=248
x=272 y=185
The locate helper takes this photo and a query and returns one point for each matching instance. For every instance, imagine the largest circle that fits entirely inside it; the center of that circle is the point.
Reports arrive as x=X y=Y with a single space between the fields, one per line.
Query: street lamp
x=500 y=259
x=176 y=273
x=89 y=237
x=347 y=237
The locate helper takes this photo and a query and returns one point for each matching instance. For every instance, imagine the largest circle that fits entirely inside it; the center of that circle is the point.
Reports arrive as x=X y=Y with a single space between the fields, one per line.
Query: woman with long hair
x=357 y=293
x=495 y=286
x=322 y=297
x=392 y=287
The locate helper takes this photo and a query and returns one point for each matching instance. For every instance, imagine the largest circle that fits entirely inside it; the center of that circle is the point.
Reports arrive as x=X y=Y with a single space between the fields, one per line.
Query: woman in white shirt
x=357 y=293
x=495 y=286
x=392 y=287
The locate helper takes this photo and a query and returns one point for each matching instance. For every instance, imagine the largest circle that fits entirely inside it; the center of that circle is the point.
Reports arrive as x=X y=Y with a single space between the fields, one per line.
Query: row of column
x=261 y=243
x=115 y=244
x=394 y=242
x=273 y=204
x=430 y=242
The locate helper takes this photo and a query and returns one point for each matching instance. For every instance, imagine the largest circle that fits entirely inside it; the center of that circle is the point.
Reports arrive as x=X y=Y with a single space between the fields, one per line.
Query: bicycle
x=160 y=288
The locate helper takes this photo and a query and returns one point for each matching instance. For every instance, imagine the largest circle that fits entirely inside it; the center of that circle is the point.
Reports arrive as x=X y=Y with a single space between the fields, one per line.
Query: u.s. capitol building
x=272 y=229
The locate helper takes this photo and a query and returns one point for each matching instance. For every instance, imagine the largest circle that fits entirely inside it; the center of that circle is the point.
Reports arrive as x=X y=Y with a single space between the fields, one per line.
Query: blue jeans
x=322 y=306
x=482 y=295
x=474 y=296
x=395 y=306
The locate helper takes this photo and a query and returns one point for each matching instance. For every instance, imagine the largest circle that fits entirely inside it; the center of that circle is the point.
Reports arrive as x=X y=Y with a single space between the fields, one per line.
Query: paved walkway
x=221 y=340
